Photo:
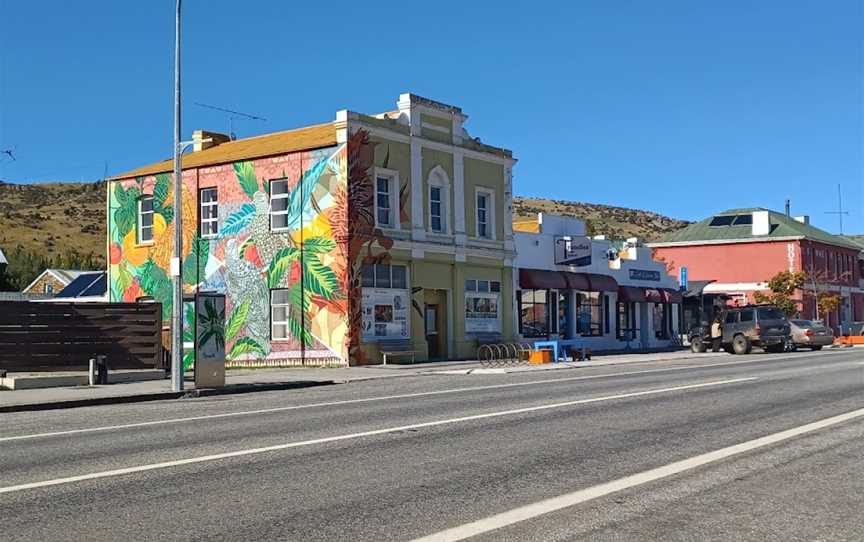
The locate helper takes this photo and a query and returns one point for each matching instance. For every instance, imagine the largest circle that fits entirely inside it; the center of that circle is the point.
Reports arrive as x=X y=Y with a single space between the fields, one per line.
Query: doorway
x=432 y=333
x=435 y=323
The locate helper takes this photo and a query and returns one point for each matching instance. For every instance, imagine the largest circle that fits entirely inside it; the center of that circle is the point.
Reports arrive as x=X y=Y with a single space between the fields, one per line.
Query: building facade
x=606 y=295
x=51 y=281
x=739 y=250
x=334 y=242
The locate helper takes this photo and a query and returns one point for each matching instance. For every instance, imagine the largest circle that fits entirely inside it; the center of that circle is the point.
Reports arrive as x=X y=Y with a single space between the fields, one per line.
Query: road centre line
x=546 y=506
x=374 y=432
x=358 y=401
x=367 y=400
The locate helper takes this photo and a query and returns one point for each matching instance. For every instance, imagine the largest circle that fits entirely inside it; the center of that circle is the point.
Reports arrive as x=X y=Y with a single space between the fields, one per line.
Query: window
x=386 y=200
x=384 y=276
x=589 y=314
x=743 y=220
x=485 y=214
x=722 y=220
x=533 y=313
x=279 y=205
x=145 y=219
x=482 y=298
x=732 y=318
x=472 y=285
x=435 y=219
x=209 y=212
x=747 y=315
x=626 y=321
x=662 y=320
x=769 y=313
x=49 y=288
x=279 y=307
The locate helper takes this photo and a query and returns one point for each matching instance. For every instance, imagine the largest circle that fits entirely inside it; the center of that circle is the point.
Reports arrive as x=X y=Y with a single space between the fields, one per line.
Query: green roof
x=736 y=225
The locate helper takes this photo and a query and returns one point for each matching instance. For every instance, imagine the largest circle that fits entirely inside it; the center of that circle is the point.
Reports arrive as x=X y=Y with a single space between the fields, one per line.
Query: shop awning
x=695 y=287
x=634 y=294
x=541 y=279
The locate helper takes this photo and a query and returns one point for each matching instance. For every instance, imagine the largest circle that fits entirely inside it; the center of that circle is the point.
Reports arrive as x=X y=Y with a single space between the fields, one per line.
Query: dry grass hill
x=52 y=218
x=613 y=222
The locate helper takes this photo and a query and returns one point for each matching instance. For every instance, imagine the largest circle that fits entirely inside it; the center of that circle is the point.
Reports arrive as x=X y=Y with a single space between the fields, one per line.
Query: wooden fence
x=64 y=336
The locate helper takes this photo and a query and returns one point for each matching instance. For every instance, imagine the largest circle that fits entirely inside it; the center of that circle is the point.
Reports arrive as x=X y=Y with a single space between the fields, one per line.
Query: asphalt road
x=635 y=452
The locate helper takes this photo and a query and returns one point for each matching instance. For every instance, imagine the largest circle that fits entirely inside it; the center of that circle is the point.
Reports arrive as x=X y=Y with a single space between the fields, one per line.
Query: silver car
x=810 y=334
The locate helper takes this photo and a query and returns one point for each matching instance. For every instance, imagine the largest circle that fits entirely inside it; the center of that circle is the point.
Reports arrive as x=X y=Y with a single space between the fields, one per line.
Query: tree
x=826 y=303
x=783 y=286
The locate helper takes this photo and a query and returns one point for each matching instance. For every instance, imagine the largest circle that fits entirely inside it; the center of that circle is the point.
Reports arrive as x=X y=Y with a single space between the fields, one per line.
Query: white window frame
x=392 y=177
x=285 y=195
x=281 y=323
x=490 y=213
x=438 y=179
x=209 y=204
x=138 y=223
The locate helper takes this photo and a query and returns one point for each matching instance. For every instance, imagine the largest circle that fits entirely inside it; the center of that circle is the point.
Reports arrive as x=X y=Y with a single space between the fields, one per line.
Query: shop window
x=385 y=302
x=626 y=316
x=563 y=311
x=662 y=320
x=589 y=314
x=482 y=302
x=534 y=313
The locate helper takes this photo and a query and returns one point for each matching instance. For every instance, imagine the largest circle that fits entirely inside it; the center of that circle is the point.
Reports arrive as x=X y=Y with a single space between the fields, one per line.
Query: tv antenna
x=231 y=116
x=839 y=212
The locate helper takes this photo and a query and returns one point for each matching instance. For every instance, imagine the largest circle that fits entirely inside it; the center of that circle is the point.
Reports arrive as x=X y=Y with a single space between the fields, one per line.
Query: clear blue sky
x=680 y=107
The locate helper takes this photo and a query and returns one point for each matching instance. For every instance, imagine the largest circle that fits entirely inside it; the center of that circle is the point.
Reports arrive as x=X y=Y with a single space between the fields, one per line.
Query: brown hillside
x=52 y=218
x=613 y=222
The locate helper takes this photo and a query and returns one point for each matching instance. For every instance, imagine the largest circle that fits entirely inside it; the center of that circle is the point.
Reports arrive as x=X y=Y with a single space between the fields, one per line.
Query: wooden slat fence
x=64 y=336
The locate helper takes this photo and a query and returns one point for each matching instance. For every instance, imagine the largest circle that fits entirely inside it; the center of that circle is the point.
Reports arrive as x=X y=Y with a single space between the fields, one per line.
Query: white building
x=605 y=295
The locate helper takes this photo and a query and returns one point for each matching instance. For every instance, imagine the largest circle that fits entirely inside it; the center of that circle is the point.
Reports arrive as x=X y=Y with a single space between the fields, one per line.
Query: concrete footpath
x=252 y=380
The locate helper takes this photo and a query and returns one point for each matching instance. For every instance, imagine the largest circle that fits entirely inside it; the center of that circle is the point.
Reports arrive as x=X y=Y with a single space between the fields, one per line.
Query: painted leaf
x=125 y=215
x=245 y=345
x=155 y=283
x=318 y=278
x=237 y=320
x=300 y=301
x=298 y=200
x=124 y=277
x=188 y=360
x=318 y=245
x=167 y=213
x=280 y=264
x=195 y=264
x=245 y=172
x=239 y=221
x=160 y=191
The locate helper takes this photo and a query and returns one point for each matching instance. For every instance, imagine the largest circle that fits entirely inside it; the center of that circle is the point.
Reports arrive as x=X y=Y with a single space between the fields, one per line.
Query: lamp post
x=177 y=306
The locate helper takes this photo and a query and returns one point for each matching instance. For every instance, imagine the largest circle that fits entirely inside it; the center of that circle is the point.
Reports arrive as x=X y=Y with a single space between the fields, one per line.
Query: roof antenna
x=788 y=207
x=839 y=212
x=231 y=116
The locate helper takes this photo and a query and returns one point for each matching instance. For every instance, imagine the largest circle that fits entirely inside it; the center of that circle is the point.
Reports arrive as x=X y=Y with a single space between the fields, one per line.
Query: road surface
x=758 y=447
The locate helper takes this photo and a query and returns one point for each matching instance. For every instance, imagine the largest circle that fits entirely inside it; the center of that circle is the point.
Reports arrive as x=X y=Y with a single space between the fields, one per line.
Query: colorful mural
x=247 y=260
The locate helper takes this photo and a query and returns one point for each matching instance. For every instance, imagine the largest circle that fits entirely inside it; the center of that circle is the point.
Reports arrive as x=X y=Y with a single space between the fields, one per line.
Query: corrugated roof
x=66 y=275
x=310 y=137
x=782 y=226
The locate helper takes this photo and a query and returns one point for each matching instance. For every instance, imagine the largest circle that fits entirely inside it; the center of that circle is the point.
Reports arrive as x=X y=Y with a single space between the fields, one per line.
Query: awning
x=695 y=287
x=631 y=294
x=541 y=279
x=671 y=296
x=634 y=294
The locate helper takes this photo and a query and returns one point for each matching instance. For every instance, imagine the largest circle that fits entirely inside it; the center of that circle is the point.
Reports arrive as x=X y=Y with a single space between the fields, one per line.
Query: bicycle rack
x=503 y=354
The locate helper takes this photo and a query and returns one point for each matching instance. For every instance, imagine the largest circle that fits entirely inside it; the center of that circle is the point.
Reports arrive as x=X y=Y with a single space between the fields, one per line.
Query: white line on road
x=524 y=513
x=356 y=401
x=337 y=438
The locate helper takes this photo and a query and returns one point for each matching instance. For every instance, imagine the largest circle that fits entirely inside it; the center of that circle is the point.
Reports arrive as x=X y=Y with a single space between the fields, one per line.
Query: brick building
x=741 y=249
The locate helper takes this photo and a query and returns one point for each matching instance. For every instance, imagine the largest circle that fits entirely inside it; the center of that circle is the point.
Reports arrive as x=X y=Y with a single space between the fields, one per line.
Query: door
x=432 y=334
x=644 y=326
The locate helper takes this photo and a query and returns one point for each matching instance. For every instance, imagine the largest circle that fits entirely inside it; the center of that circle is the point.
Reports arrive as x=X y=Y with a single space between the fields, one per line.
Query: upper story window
x=49 y=288
x=385 y=276
x=439 y=194
x=279 y=205
x=386 y=198
x=436 y=221
x=209 y=212
x=485 y=214
x=145 y=219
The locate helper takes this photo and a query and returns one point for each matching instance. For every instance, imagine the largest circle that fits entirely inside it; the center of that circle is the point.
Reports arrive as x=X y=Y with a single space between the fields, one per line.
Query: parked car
x=810 y=334
x=699 y=338
x=762 y=326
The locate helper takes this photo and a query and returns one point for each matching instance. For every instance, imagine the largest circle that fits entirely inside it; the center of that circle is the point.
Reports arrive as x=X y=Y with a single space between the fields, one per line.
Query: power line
x=231 y=116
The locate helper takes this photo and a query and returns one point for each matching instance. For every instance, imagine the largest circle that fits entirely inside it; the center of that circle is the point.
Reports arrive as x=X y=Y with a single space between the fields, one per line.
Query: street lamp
x=177 y=307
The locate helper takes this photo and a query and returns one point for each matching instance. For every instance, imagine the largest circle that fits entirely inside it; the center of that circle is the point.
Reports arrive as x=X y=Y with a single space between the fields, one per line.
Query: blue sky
x=680 y=107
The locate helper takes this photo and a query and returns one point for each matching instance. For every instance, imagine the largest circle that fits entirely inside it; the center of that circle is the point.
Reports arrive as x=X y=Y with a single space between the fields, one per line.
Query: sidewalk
x=252 y=380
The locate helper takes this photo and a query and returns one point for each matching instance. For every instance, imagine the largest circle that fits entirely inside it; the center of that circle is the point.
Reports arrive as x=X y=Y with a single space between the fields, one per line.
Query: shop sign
x=573 y=250
x=481 y=313
x=385 y=313
x=644 y=274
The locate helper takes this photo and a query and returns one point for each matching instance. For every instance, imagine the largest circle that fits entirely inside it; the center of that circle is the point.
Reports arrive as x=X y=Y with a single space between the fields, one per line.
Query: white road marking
x=356 y=401
x=524 y=513
x=374 y=432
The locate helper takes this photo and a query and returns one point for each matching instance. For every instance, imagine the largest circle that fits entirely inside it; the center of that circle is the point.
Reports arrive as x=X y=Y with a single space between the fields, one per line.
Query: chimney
x=804 y=219
x=761 y=224
x=788 y=207
x=199 y=137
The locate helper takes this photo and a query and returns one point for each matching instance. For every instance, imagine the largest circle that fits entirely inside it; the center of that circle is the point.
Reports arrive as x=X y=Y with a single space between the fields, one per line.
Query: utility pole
x=177 y=305
x=839 y=212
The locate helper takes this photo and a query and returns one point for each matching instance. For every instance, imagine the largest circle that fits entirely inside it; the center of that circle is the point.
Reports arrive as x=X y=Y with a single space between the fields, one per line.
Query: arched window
x=438 y=201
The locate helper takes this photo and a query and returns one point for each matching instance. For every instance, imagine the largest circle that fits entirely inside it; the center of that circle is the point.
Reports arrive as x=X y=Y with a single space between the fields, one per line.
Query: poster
x=481 y=313
x=385 y=314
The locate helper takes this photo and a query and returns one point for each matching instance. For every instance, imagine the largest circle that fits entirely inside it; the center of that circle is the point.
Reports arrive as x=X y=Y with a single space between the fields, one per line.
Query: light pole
x=177 y=306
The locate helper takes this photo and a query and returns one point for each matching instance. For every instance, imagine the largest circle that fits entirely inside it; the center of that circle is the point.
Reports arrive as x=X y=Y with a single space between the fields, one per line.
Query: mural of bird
x=246 y=284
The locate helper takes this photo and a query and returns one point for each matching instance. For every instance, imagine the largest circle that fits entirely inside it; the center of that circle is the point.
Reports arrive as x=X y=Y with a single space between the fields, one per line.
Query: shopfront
x=605 y=296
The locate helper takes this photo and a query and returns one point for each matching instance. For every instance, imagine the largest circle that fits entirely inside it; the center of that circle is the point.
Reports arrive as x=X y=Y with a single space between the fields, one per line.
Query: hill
x=613 y=222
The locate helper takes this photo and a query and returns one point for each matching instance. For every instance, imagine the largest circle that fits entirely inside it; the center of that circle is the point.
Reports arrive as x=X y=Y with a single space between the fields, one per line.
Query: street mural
x=330 y=234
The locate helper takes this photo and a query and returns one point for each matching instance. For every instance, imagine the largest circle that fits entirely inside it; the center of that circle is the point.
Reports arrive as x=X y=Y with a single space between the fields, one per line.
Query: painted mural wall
x=310 y=258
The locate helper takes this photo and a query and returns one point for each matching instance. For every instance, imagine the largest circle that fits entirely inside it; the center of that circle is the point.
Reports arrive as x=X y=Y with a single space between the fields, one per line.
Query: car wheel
x=817 y=347
x=741 y=345
x=697 y=345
